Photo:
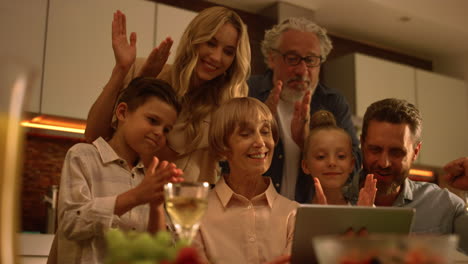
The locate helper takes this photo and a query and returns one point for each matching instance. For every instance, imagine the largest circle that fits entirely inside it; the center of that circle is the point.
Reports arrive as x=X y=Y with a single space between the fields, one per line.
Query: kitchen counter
x=34 y=248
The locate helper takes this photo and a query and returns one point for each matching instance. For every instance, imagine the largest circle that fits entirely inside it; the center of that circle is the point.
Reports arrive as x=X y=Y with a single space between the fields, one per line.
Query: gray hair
x=270 y=41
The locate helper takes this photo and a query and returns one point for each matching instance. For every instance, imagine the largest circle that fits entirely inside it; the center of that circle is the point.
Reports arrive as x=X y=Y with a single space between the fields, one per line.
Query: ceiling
x=423 y=28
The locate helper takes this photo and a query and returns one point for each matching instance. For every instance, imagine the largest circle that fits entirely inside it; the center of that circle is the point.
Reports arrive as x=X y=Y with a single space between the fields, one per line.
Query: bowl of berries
x=386 y=249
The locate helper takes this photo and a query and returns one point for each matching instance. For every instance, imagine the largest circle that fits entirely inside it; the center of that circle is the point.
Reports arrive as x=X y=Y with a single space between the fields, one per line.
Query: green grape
x=132 y=234
x=144 y=261
x=115 y=238
x=163 y=239
x=143 y=247
x=162 y=253
x=118 y=256
x=117 y=244
x=182 y=243
x=171 y=253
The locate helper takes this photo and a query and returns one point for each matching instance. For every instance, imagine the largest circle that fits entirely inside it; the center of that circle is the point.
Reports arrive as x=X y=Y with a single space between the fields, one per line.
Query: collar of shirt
x=108 y=155
x=226 y=194
x=406 y=193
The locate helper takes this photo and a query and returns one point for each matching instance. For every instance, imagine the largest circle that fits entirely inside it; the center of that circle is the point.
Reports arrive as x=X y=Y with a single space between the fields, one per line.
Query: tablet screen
x=316 y=220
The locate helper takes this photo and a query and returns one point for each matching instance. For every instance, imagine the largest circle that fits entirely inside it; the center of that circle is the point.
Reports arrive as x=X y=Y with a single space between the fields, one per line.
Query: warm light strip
x=57 y=128
x=424 y=173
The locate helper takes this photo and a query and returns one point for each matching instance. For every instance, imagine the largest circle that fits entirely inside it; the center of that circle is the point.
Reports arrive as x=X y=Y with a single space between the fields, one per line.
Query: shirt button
x=277 y=185
x=249 y=207
x=252 y=239
x=280 y=156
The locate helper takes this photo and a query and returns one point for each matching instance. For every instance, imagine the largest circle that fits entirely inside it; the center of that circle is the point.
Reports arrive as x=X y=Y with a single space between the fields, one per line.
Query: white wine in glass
x=465 y=193
x=14 y=80
x=186 y=204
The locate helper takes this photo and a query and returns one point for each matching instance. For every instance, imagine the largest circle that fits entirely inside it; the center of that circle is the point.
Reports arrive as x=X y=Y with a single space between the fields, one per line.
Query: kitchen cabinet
x=34 y=248
x=364 y=79
x=23 y=29
x=166 y=16
x=443 y=102
x=78 y=53
x=68 y=45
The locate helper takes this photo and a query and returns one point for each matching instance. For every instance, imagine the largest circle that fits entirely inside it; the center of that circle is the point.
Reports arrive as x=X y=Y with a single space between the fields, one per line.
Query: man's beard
x=292 y=95
x=392 y=188
x=385 y=189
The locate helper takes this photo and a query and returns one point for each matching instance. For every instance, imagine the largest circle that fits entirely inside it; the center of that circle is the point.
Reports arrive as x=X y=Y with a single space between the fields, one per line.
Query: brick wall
x=43 y=159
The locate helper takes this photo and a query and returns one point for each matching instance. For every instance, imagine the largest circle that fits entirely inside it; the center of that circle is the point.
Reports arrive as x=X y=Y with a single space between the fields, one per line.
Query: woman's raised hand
x=124 y=51
x=157 y=59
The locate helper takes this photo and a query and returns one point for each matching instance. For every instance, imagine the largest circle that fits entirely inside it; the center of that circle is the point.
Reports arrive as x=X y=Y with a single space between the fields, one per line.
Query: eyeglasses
x=293 y=59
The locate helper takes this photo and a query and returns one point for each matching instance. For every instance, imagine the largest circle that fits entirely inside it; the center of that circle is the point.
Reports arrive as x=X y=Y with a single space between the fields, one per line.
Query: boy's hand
x=151 y=189
x=124 y=52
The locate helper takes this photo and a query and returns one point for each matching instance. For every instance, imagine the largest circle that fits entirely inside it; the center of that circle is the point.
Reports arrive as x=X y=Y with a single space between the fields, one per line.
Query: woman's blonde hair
x=199 y=102
x=236 y=112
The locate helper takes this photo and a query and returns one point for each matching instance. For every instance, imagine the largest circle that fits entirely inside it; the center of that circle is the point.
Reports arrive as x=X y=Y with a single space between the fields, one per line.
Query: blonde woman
x=210 y=67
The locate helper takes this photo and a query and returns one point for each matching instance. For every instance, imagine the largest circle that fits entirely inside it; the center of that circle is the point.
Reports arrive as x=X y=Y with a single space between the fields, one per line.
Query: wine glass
x=186 y=203
x=14 y=80
x=465 y=194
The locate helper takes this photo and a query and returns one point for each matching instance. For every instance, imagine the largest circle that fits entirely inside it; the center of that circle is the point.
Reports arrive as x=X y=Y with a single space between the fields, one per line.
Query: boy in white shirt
x=118 y=183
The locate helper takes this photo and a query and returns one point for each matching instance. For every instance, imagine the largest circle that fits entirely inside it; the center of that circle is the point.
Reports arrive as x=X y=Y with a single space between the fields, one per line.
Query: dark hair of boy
x=141 y=89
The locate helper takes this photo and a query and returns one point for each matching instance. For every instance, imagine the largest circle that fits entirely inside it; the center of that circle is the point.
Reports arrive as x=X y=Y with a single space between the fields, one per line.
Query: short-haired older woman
x=246 y=221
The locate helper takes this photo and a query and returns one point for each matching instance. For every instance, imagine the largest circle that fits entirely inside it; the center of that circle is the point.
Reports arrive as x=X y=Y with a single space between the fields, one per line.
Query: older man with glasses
x=294 y=51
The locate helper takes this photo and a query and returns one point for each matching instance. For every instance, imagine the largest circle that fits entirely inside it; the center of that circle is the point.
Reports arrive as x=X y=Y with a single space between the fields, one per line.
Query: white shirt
x=292 y=152
x=92 y=177
x=238 y=230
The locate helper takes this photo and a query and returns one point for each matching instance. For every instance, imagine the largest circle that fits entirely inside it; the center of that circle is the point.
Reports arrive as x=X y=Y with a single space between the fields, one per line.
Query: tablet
x=316 y=220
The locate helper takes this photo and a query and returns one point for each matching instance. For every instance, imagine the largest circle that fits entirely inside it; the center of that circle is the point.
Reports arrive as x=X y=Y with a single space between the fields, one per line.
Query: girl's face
x=216 y=55
x=329 y=158
x=251 y=147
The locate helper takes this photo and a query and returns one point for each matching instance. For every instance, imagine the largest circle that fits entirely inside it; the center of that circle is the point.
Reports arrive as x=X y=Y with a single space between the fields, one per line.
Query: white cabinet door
x=443 y=102
x=79 y=57
x=171 y=22
x=363 y=80
x=23 y=29
x=377 y=79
